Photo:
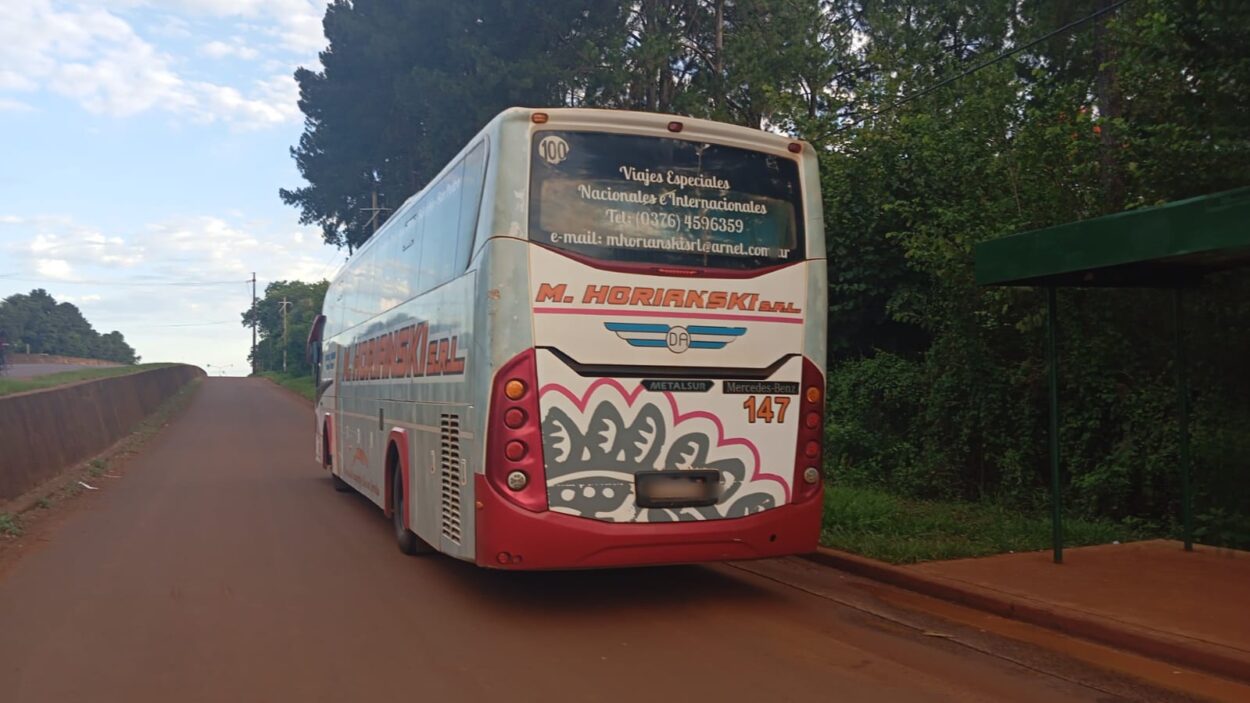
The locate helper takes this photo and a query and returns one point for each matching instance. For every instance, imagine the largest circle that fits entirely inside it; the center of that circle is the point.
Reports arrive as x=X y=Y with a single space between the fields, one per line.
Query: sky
x=142 y=146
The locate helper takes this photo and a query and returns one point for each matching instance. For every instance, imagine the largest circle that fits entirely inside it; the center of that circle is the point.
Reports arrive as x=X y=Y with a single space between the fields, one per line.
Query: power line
x=178 y=324
x=989 y=62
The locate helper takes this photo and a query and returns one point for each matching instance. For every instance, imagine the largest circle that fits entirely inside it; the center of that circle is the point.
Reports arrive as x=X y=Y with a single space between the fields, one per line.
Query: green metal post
x=1052 y=365
x=1182 y=408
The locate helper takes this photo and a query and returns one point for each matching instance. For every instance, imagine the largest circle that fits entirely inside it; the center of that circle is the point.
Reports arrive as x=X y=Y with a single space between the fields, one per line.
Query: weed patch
x=882 y=526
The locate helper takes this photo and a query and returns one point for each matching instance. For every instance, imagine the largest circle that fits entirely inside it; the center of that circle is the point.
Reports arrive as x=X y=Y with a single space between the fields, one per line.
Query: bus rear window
x=658 y=200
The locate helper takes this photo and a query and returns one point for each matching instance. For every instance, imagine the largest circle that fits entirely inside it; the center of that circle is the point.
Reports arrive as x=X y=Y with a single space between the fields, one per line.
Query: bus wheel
x=339 y=484
x=408 y=541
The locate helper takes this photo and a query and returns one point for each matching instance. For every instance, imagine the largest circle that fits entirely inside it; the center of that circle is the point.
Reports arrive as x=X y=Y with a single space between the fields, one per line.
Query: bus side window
x=393 y=283
x=470 y=205
x=441 y=226
x=363 y=300
x=351 y=315
x=339 y=322
x=410 y=250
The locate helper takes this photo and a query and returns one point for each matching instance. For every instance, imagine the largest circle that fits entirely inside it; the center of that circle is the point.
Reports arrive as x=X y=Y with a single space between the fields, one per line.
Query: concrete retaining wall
x=44 y=432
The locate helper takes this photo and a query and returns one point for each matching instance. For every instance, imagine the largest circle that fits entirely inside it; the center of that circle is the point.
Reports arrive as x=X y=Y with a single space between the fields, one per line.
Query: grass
x=10 y=525
x=18 y=385
x=883 y=526
x=300 y=384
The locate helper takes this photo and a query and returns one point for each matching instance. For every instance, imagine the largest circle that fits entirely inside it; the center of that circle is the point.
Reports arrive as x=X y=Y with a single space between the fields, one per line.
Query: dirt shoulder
x=29 y=519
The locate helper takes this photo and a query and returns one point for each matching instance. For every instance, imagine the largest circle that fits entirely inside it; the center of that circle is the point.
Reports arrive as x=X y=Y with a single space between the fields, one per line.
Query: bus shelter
x=1170 y=246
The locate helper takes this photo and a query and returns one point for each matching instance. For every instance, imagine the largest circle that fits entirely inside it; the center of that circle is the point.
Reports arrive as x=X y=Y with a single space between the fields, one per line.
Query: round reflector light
x=811 y=450
x=515 y=450
x=813 y=394
x=812 y=421
x=514 y=418
x=811 y=474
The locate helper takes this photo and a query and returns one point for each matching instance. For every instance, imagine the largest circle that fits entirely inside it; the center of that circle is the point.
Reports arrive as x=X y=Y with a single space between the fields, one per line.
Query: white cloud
x=60 y=238
x=235 y=48
x=9 y=105
x=295 y=23
x=54 y=268
x=171 y=27
x=273 y=102
x=90 y=54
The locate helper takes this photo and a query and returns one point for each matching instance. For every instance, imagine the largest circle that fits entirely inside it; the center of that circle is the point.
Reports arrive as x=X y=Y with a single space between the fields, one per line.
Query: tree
x=303 y=304
x=405 y=83
x=37 y=321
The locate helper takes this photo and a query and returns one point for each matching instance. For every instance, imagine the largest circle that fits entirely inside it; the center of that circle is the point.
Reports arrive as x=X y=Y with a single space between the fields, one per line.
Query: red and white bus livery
x=596 y=339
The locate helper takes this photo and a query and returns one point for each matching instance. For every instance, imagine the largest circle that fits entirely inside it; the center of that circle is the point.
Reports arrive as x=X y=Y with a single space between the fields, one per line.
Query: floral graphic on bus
x=595 y=442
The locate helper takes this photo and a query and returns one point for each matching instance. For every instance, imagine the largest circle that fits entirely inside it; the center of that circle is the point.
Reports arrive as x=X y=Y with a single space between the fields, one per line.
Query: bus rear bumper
x=510 y=537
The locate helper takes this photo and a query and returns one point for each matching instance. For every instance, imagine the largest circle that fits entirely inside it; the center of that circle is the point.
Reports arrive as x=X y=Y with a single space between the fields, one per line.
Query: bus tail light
x=811 y=439
x=514 y=457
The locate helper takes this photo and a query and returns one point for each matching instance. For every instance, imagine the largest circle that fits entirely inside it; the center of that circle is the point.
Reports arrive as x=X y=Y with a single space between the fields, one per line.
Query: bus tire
x=407 y=540
x=339 y=484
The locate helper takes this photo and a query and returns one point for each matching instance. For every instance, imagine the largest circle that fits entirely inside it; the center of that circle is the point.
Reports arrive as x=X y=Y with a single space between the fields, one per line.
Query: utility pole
x=375 y=211
x=255 y=313
x=285 y=305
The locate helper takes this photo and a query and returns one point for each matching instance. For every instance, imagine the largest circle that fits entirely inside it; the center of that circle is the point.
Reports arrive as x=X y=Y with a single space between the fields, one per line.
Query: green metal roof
x=1172 y=244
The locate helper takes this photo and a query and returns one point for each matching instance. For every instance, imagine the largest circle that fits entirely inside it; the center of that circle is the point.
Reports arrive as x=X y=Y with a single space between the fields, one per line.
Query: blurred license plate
x=677 y=489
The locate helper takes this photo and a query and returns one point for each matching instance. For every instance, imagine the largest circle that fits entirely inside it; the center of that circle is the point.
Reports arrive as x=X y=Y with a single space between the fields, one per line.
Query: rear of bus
x=670 y=406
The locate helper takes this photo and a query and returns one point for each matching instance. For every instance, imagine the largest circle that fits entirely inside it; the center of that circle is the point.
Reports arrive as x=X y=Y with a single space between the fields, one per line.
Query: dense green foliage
x=937 y=387
x=36 y=321
x=303 y=305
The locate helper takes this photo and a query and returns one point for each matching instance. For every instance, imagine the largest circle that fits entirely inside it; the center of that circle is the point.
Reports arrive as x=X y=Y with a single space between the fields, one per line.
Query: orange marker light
x=794 y=147
x=539 y=118
x=514 y=389
x=813 y=394
x=675 y=126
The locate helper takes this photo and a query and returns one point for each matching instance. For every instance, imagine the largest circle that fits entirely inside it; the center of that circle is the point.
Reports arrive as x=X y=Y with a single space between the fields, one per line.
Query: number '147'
x=766 y=408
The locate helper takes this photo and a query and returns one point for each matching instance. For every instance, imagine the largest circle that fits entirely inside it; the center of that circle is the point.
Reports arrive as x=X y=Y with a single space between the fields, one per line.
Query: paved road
x=32 y=370
x=223 y=567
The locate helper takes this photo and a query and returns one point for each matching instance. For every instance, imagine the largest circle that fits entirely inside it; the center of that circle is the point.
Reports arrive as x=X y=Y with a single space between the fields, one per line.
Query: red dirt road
x=223 y=567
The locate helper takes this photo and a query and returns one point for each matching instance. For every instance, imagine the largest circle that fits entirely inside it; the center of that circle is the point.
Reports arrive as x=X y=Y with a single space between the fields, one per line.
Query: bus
x=595 y=339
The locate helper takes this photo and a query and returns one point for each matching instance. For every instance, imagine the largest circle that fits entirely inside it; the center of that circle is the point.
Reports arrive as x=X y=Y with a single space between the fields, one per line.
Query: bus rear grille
x=451 y=470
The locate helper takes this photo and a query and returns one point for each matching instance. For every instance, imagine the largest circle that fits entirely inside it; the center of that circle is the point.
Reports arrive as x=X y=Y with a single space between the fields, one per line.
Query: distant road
x=224 y=567
x=33 y=370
